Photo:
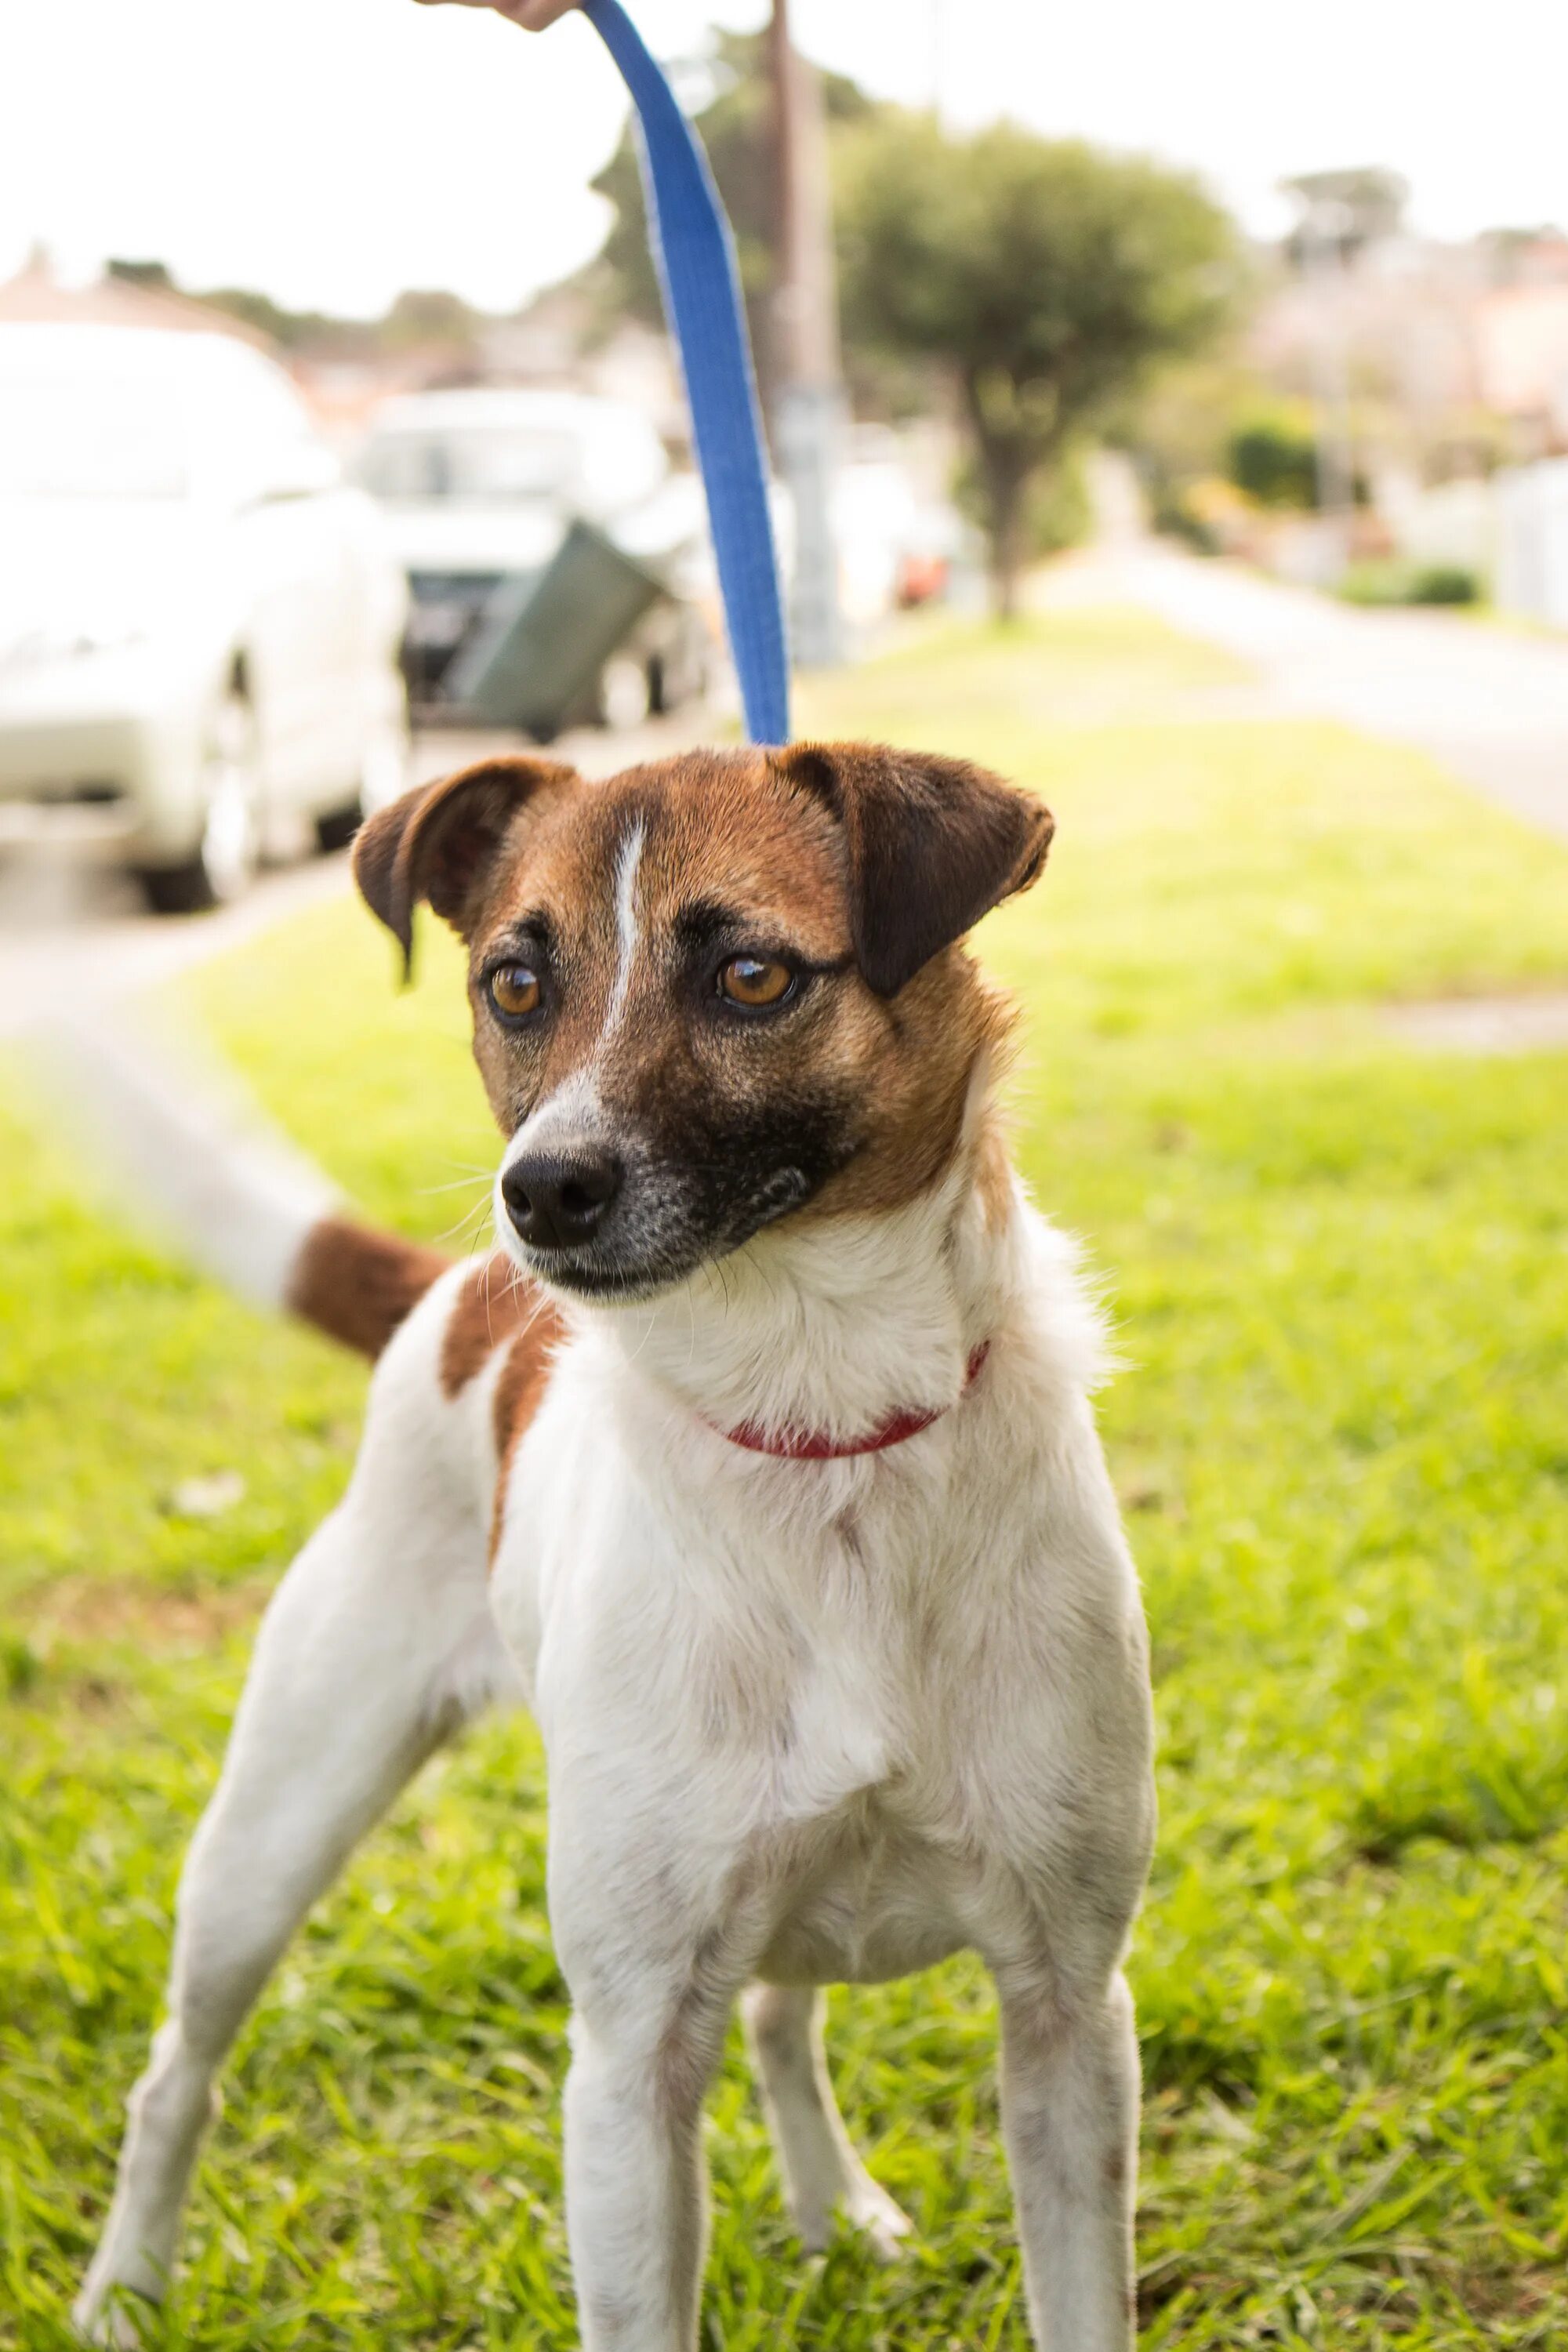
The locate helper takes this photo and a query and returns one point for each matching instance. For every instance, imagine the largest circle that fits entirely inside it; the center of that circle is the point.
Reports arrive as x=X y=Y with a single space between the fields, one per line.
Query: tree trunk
x=1006 y=474
x=1009 y=446
x=1006 y=536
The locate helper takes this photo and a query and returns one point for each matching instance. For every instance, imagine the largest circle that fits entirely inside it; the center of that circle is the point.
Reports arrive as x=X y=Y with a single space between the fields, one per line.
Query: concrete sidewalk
x=1492 y=707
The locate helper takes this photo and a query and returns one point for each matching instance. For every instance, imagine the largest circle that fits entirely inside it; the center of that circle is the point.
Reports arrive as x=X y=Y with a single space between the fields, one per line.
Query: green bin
x=534 y=661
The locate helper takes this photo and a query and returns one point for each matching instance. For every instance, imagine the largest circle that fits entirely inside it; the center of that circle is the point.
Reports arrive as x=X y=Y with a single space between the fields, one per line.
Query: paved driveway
x=1490 y=703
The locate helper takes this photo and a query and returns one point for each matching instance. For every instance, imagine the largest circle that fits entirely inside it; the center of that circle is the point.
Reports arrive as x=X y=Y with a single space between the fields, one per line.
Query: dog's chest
x=811 y=1690
x=895 y=1696
x=803 y=1732
x=890 y=1798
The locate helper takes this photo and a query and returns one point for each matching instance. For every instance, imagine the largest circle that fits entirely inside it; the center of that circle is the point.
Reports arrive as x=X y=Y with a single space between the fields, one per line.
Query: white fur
x=575 y=1112
x=176 y=1145
x=626 y=927
x=565 y=1117
x=806 y=1721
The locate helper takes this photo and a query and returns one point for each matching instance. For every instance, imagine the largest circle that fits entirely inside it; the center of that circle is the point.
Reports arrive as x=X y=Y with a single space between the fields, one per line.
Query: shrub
x=1174 y=515
x=1273 y=456
x=1390 y=580
x=1445 y=583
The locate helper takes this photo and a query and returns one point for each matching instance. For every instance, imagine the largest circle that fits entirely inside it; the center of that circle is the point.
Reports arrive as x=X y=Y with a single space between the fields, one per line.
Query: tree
x=1046 y=279
x=1272 y=455
x=154 y=276
x=427 y=315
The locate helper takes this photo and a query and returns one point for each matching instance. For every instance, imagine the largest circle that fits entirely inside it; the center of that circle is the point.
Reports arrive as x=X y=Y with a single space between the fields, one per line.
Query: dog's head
x=713 y=992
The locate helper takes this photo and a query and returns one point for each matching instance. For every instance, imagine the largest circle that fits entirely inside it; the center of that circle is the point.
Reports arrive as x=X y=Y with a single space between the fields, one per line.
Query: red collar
x=815 y=1445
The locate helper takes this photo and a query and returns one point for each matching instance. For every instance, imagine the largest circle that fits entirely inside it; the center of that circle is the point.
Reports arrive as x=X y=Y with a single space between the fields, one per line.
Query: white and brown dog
x=759 y=1462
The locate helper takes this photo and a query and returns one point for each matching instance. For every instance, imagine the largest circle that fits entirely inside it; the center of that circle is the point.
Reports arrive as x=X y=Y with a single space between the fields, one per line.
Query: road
x=1487 y=702
x=60 y=927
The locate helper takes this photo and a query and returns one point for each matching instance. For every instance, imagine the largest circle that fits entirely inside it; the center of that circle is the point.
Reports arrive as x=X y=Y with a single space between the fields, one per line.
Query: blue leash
x=696 y=258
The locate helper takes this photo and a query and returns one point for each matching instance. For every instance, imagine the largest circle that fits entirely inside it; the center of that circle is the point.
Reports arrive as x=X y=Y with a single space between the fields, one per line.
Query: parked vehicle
x=554 y=559
x=897 y=544
x=1531 y=526
x=199 y=620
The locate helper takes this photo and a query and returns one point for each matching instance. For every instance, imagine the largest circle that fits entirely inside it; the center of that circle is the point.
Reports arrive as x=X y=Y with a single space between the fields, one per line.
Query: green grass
x=1341 y=1275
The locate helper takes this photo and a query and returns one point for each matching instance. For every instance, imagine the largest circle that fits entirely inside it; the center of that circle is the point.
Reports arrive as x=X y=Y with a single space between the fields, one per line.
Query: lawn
x=1340 y=1271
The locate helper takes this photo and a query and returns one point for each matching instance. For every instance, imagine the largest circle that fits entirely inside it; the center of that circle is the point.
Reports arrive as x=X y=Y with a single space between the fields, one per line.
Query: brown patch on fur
x=494 y=1302
x=438 y=840
x=520 y=1391
x=931 y=844
x=992 y=1173
x=523 y=1375
x=357 y=1286
x=945 y=1021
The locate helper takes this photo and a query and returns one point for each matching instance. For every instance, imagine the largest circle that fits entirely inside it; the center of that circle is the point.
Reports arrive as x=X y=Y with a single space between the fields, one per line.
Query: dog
x=759 y=1460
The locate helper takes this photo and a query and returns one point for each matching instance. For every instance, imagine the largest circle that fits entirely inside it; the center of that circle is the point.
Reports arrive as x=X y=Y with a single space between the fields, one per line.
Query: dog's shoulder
x=461 y=1379
x=496 y=1320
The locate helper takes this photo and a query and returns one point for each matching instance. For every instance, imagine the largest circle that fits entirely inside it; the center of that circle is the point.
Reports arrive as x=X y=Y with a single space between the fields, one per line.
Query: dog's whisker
x=466 y=1224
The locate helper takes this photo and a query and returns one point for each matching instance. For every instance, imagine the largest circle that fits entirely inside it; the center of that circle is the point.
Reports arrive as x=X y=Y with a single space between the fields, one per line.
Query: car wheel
x=336 y=827
x=624 y=700
x=226 y=855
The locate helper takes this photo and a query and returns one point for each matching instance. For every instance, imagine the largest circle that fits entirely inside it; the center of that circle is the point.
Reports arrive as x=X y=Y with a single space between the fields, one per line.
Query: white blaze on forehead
x=626 y=931
x=573 y=1114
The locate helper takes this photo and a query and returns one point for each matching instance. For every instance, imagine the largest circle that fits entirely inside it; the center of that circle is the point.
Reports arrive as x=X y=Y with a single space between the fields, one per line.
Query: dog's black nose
x=557 y=1199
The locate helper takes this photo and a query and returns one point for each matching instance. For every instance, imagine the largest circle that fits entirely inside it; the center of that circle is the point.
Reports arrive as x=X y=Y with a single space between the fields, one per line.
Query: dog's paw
x=114 y=2316
x=881 y=2221
x=814 y=2230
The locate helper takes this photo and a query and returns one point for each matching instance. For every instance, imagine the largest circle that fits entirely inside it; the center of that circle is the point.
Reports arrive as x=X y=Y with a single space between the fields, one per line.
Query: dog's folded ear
x=932 y=844
x=438 y=842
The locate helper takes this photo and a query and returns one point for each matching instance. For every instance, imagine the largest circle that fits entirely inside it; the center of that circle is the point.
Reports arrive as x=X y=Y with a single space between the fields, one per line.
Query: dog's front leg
x=350 y=1689
x=654 y=1970
x=1069 y=2114
x=635 y=2191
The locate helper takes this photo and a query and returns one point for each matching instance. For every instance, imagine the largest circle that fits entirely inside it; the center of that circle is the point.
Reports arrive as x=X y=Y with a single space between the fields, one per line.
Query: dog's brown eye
x=514 y=990
x=754 y=980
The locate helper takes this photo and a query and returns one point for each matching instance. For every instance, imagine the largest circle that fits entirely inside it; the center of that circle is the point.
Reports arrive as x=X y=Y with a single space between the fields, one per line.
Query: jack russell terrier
x=758 y=1461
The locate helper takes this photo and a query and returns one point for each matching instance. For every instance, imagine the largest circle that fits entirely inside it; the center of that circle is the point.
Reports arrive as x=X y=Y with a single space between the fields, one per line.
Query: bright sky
x=333 y=151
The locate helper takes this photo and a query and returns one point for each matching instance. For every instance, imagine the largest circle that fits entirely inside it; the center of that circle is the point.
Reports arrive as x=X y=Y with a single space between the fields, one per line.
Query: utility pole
x=1339 y=211
x=1322 y=230
x=809 y=406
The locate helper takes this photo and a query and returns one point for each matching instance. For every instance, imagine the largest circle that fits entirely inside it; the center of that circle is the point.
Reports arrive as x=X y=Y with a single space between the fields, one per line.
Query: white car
x=199 y=621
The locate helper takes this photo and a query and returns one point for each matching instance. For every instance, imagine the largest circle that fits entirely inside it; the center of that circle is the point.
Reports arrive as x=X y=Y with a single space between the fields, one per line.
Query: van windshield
x=485 y=465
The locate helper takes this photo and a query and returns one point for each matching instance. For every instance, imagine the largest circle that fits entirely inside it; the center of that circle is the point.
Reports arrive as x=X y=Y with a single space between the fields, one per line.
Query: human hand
x=533 y=15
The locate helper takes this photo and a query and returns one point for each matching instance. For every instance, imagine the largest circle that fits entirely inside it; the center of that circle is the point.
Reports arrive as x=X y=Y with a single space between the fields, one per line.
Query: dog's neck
x=836 y=1324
